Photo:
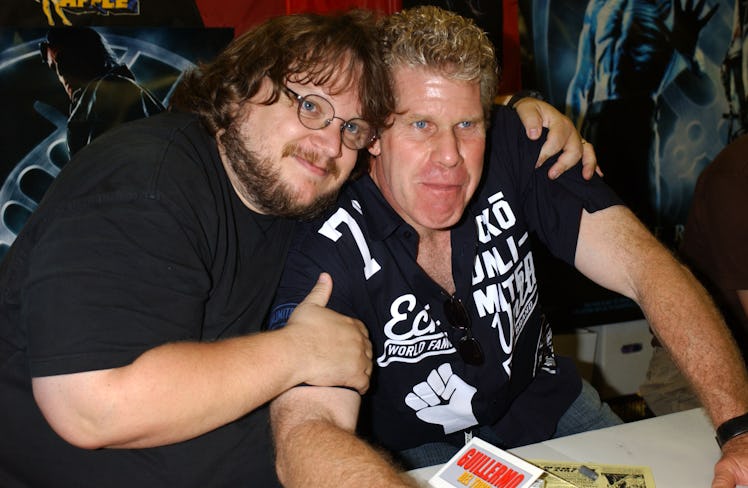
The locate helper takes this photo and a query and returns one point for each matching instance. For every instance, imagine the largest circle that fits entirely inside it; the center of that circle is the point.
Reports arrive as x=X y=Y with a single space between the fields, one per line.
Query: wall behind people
x=658 y=96
x=156 y=40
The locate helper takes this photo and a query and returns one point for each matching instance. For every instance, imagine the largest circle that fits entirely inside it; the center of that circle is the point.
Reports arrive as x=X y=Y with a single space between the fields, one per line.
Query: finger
x=369 y=350
x=363 y=387
x=362 y=328
x=723 y=480
x=566 y=160
x=589 y=161
x=554 y=144
x=531 y=118
x=321 y=292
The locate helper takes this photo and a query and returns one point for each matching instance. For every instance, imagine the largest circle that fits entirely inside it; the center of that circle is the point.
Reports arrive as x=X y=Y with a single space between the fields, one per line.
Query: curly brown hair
x=443 y=41
x=342 y=49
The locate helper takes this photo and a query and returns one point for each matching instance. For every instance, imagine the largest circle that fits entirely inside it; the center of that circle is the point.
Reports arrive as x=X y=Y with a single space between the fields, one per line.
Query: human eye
x=309 y=107
x=420 y=124
x=470 y=127
x=352 y=127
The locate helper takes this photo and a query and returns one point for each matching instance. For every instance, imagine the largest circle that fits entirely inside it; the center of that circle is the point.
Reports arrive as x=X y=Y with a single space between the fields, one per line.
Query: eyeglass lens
x=468 y=346
x=316 y=112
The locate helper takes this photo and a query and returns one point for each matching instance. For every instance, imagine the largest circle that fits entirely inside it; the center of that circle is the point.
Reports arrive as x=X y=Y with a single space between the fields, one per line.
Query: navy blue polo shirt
x=422 y=391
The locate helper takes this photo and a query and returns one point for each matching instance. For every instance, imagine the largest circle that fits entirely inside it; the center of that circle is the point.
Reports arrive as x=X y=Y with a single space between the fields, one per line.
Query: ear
x=375 y=148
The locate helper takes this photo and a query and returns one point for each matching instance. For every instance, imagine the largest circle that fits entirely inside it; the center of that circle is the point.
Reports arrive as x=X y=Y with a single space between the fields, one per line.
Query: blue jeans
x=587 y=412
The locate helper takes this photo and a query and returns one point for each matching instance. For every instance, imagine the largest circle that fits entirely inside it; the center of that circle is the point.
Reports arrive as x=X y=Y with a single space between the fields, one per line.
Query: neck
x=435 y=258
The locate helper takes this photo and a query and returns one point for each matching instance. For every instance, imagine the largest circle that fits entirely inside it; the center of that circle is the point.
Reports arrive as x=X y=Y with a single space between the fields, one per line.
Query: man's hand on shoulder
x=562 y=137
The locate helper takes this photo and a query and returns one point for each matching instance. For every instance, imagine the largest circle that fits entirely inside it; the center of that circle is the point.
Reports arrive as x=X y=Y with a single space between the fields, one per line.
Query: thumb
x=320 y=294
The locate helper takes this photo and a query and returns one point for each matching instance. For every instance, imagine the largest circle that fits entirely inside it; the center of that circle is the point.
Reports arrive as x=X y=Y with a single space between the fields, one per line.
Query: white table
x=679 y=448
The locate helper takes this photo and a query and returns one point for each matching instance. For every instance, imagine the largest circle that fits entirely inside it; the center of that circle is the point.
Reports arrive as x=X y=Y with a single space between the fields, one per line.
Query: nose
x=330 y=138
x=446 y=150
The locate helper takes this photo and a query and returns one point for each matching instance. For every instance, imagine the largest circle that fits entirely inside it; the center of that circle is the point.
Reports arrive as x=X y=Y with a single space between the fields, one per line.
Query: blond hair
x=445 y=42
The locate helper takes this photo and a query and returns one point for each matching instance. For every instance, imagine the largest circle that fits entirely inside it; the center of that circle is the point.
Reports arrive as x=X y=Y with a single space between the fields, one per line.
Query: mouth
x=315 y=168
x=312 y=162
x=442 y=187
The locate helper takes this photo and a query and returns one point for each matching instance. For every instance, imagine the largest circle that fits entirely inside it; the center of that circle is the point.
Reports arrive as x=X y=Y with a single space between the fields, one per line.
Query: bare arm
x=316 y=444
x=616 y=251
x=180 y=390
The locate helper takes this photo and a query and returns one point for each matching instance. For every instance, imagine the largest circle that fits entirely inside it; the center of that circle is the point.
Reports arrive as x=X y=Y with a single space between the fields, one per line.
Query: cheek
x=348 y=163
x=474 y=156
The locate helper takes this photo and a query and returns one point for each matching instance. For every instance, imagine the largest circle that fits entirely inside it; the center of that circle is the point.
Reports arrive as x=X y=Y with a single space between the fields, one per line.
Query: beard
x=261 y=183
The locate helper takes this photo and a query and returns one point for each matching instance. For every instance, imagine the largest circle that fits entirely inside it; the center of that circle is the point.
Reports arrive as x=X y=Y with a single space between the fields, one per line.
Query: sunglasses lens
x=470 y=350
x=456 y=313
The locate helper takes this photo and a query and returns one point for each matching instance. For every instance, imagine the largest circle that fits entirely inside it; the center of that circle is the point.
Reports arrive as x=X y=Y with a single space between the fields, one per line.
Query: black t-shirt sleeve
x=113 y=285
x=552 y=208
x=311 y=254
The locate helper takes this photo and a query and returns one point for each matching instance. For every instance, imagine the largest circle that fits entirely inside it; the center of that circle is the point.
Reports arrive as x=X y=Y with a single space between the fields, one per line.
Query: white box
x=580 y=346
x=621 y=357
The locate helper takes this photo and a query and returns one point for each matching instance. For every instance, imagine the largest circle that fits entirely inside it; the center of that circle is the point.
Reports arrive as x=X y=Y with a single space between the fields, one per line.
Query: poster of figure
x=651 y=84
x=61 y=87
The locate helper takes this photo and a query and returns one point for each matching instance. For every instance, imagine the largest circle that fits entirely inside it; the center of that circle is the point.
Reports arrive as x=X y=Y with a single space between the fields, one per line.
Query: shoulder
x=507 y=136
x=339 y=243
x=510 y=154
x=134 y=155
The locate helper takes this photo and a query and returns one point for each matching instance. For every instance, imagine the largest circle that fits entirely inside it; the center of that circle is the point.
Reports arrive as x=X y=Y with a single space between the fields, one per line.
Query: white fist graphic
x=445 y=399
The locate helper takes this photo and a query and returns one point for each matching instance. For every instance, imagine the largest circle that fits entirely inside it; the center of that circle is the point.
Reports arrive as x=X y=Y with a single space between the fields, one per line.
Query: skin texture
x=429 y=163
x=307 y=162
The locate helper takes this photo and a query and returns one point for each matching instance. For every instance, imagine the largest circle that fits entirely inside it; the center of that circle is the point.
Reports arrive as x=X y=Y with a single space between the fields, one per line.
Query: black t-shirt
x=140 y=241
x=422 y=391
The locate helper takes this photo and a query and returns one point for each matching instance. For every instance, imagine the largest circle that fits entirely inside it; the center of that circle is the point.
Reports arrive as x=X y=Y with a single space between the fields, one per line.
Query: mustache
x=328 y=164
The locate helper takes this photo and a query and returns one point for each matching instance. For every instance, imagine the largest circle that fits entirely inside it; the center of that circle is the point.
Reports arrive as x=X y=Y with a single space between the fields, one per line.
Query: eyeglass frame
x=468 y=345
x=327 y=121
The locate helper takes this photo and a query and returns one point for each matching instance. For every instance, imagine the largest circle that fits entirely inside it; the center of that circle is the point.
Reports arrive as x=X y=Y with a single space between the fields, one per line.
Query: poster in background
x=33 y=145
x=656 y=114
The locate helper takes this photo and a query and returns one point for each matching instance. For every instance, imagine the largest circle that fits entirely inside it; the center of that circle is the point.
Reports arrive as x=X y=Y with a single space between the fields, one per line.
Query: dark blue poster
x=54 y=101
x=656 y=85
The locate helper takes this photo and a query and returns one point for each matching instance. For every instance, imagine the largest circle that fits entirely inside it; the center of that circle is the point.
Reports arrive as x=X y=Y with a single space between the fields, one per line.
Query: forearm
x=704 y=349
x=170 y=393
x=318 y=453
x=316 y=444
x=616 y=251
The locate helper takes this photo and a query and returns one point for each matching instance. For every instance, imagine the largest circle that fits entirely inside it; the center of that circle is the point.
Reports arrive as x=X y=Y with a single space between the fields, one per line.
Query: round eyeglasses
x=316 y=112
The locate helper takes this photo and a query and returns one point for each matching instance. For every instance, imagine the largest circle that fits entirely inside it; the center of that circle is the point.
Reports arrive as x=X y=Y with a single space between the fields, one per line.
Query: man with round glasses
x=431 y=251
x=130 y=344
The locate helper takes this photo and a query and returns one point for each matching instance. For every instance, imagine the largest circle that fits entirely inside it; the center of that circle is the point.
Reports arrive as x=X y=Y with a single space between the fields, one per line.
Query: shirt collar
x=383 y=221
